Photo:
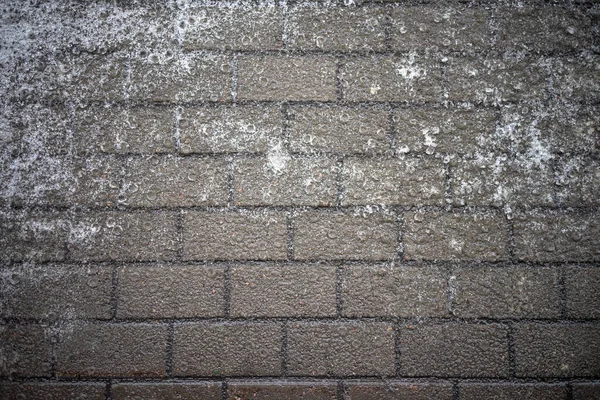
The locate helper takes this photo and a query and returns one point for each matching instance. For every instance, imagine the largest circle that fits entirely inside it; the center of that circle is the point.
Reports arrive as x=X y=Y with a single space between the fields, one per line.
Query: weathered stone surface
x=581 y=291
x=508 y=391
x=41 y=130
x=397 y=390
x=578 y=181
x=26 y=351
x=575 y=129
x=52 y=391
x=281 y=390
x=158 y=391
x=586 y=391
x=576 y=78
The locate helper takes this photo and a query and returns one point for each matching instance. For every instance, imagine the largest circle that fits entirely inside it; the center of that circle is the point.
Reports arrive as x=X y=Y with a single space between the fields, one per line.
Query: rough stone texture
x=52 y=391
x=454 y=350
x=581 y=290
x=281 y=390
x=26 y=350
x=556 y=350
x=394 y=390
x=503 y=391
x=225 y=349
x=283 y=290
x=158 y=391
x=578 y=182
x=340 y=349
x=576 y=79
x=586 y=391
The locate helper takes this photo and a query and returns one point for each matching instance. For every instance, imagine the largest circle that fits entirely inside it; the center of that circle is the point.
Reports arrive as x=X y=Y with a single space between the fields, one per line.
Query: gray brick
x=407 y=181
x=578 y=181
x=506 y=292
x=509 y=391
x=175 y=182
x=373 y=291
x=338 y=235
x=575 y=129
x=453 y=236
x=244 y=235
x=26 y=351
x=341 y=349
x=52 y=391
x=123 y=236
x=586 y=391
x=494 y=81
x=282 y=390
x=283 y=291
x=311 y=27
x=581 y=290
x=167 y=291
x=525 y=130
x=237 y=28
x=315 y=129
x=99 y=350
x=440 y=130
x=293 y=78
x=229 y=129
x=41 y=129
x=173 y=77
x=397 y=390
x=166 y=391
x=279 y=179
x=454 y=350
x=217 y=349
x=555 y=350
x=557 y=237
x=436 y=28
x=56 y=291
x=409 y=78
x=576 y=78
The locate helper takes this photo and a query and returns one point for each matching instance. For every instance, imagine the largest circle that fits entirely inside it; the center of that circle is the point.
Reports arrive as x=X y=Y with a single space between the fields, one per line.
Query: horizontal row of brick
x=316 y=291
x=263 y=234
x=309 y=349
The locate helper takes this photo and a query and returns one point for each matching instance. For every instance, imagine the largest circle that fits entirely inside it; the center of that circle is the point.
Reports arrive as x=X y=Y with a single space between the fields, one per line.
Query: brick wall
x=341 y=200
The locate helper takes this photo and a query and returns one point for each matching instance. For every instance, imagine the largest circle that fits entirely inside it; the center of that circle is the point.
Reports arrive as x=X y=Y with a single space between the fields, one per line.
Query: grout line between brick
x=284 y=349
x=179 y=236
x=340 y=189
x=400 y=216
x=230 y=181
x=169 y=351
x=397 y=350
x=108 y=390
x=224 y=390
x=341 y=390
x=227 y=292
x=569 y=387
x=114 y=295
x=290 y=236
x=512 y=366
x=455 y=390
x=339 y=286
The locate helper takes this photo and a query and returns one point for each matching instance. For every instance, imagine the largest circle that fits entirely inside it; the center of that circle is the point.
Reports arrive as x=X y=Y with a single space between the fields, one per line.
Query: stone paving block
x=26 y=351
x=100 y=350
x=453 y=236
x=383 y=78
x=279 y=179
x=282 y=390
x=392 y=181
x=576 y=79
x=227 y=349
x=315 y=27
x=581 y=291
x=399 y=390
x=509 y=391
x=506 y=292
x=56 y=292
x=167 y=291
x=283 y=290
x=158 y=391
x=42 y=130
x=176 y=182
x=291 y=78
x=454 y=350
x=229 y=129
x=586 y=391
x=52 y=391
x=578 y=181
x=560 y=237
x=244 y=235
x=557 y=350
x=374 y=291
x=339 y=235
x=338 y=129
x=341 y=349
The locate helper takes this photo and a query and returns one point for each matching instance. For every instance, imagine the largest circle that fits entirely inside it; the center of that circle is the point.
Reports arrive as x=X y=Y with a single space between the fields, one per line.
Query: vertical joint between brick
x=512 y=365
x=230 y=180
x=339 y=181
x=387 y=28
x=234 y=76
x=391 y=135
x=341 y=390
x=339 y=285
x=224 y=390
x=400 y=237
x=448 y=183
x=290 y=236
x=227 y=292
x=169 y=352
x=284 y=349
x=397 y=350
x=108 y=390
x=179 y=234
x=455 y=390
x=114 y=293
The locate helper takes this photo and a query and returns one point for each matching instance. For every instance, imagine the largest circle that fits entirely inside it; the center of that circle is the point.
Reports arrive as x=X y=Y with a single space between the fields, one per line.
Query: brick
x=42 y=130
x=176 y=182
x=52 y=391
x=185 y=77
x=525 y=130
x=495 y=81
x=578 y=181
x=581 y=291
x=244 y=235
x=440 y=130
x=282 y=390
x=382 y=291
x=230 y=28
x=26 y=351
x=506 y=292
x=126 y=350
x=576 y=130
x=454 y=350
x=586 y=391
x=123 y=236
x=396 y=390
x=557 y=237
x=117 y=130
x=292 y=78
x=509 y=391
x=409 y=78
x=339 y=235
x=57 y=292
x=226 y=349
x=341 y=349
x=283 y=291
x=229 y=129
x=157 y=391
x=445 y=29
x=311 y=27
x=338 y=129
x=556 y=350
x=453 y=236
x=167 y=291
x=576 y=78
x=279 y=179
x=408 y=181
